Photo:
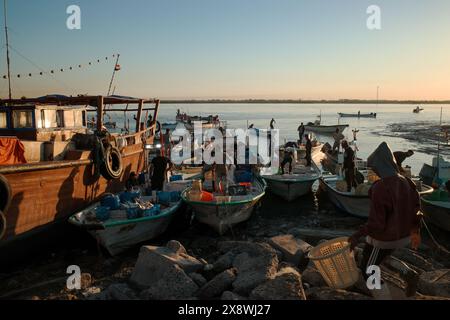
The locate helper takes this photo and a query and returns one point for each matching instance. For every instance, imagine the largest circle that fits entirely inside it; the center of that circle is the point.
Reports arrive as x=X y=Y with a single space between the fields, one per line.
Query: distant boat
x=418 y=110
x=358 y=115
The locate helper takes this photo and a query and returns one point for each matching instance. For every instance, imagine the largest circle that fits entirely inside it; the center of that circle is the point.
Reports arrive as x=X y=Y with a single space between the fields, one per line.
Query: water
x=289 y=116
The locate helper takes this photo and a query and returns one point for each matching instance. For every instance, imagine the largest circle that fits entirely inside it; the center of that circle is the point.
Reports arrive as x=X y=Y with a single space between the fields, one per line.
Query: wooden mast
x=114 y=73
x=7 y=50
x=139 y=115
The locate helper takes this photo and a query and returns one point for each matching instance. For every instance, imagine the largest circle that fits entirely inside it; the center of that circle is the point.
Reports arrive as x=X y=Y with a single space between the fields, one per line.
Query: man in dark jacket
x=401 y=156
x=349 y=166
x=301 y=132
x=158 y=171
x=393 y=217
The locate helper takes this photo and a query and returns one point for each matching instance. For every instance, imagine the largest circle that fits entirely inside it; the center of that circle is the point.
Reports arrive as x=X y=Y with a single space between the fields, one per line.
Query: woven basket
x=336 y=263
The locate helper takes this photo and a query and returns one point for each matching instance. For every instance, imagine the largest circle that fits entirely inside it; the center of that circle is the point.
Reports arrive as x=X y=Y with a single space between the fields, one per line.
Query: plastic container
x=175 y=196
x=164 y=197
x=177 y=177
x=133 y=213
x=243 y=176
x=102 y=213
x=111 y=201
x=336 y=263
x=129 y=196
x=153 y=211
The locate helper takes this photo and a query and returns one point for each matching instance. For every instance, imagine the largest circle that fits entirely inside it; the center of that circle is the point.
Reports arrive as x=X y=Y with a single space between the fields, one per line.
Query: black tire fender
x=112 y=167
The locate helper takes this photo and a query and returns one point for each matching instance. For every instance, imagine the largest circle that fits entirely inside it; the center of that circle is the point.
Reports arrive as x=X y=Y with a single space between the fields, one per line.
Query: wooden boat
x=418 y=110
x=358 y=115
x=356 y=205
x=437 y=212
x=65 y=167
x=209 y=122
x=119 y=233
x=318 y=128
x=292 y=186
x=223 y=215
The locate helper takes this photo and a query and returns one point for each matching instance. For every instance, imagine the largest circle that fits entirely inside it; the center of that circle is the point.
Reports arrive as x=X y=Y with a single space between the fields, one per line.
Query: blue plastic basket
x=178 y=177
x=129 y=196
x=164 y=197
x=133 y=213
x=102 y=213
x=111 y=201
x=154 y=211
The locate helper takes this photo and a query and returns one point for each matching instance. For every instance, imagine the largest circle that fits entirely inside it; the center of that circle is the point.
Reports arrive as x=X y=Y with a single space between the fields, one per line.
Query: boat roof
x=62 y=100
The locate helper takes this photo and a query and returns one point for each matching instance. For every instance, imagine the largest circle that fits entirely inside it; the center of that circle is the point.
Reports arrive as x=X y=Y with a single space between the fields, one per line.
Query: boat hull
x=438 y=215
x=118 y=239
x=290 y=191
x=355 y=115
x=46 y=194
x=358 y=206
x=326 y=129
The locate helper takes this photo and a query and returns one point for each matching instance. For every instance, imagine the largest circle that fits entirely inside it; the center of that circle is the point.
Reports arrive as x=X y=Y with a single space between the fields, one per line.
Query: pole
x=114 y=73
x=7 y=50
x=439 y=146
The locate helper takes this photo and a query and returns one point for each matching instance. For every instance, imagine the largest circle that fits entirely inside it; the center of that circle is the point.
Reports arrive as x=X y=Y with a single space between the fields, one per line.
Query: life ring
x=2 y=224
x=158 y=127
x=112 y=166
x=5 y=192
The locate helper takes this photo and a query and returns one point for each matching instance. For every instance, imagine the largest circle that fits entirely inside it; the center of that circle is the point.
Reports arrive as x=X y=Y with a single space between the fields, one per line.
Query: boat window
x=69 y=118
x=23 y=118
x=60 y=118
x=3 y=121
x=79 y=118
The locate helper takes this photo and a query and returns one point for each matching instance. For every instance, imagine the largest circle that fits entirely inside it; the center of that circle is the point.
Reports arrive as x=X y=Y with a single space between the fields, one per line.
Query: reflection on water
x=289 y=116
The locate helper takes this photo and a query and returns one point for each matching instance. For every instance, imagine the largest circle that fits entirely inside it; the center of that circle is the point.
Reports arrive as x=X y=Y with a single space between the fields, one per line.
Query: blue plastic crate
x=154 y=211
x=177 y=177
x=111 y=201
x=102 y=213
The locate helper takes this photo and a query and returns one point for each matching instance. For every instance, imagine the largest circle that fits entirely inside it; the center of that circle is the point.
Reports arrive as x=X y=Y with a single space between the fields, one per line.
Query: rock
x=92 y=291
x=153 y=263
x=174 y=284
x=287 y=285
x=325 y=293
x=121 y=291
x=198 y=279
x=313 y=277
x=86 y=280
x=256 y=264
x=176 y=247
x=294 y=250
x=95 y=293
x=224 y=262
x=231 y=296
x=218 y=285
x=435 y=283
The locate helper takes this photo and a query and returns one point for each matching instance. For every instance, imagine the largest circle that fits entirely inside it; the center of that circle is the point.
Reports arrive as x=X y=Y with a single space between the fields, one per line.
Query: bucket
x=336 y=263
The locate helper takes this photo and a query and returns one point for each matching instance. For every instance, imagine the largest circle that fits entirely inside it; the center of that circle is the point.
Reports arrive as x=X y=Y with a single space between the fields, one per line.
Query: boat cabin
x=45 y=126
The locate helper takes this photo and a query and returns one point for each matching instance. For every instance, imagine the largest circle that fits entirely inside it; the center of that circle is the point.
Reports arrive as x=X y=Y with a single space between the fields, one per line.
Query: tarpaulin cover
x=12 y=151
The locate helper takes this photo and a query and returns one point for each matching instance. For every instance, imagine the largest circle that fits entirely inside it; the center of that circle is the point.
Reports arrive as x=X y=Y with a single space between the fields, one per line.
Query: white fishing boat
x=350 y=202
x=224 y=212
x=292 y=186
x=318 y=128
x=437 y=212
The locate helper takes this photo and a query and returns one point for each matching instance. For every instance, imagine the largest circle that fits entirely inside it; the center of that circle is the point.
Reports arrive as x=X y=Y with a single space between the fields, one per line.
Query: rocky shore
x=263 y=259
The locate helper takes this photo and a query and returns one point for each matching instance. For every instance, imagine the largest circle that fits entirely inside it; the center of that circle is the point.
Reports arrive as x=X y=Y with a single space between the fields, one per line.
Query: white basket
x=336 y=263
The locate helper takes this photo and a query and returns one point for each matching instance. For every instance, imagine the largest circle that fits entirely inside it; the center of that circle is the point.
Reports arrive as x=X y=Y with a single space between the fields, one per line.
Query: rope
x=438 y=246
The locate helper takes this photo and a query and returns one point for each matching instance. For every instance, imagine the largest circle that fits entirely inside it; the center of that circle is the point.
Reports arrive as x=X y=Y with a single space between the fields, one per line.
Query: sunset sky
x=177 y=49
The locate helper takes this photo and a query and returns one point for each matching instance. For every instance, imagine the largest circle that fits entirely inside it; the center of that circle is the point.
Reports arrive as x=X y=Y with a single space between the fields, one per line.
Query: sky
x=231 y=49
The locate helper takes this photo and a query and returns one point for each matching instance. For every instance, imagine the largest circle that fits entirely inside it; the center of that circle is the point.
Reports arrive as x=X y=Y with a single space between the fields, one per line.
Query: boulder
x=218 y=285
x=174 y=284
x=435 y=283
x=294 y=250
x=325 y=293
x=231 y=296
x=198 y=279
x=224 y=262
x=286 y=285
x=313 y=277
x=255 y=264
x=153 y=263
x=121 y=291
x=176 y=247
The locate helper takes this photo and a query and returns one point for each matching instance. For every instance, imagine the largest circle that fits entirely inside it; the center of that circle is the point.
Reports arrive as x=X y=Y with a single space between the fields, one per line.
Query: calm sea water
x=289 y=116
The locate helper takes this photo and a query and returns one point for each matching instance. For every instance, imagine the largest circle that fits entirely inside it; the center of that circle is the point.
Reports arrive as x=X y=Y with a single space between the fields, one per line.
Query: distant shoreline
x=264 y=101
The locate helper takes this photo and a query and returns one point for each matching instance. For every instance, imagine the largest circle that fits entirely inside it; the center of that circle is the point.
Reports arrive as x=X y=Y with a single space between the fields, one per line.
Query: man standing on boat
x=338 y=137
x=160 y=165
x=301 y=133
x=349 y=166
x=308 y=150
x=272 y=124
x=393 y=218
x=288 y=159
